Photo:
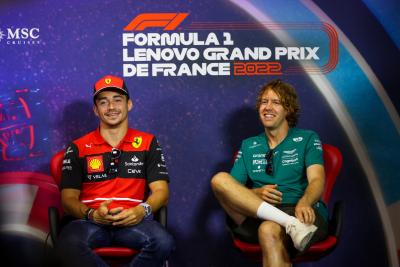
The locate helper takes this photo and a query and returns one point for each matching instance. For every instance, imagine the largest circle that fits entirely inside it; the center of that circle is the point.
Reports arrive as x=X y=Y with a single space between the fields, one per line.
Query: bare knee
x=270 y=234
x=219 y=181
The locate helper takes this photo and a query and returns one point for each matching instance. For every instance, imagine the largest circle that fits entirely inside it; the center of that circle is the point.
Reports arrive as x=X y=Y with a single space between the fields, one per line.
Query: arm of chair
x=54 y=223
x=336 y=221
x=161 y=216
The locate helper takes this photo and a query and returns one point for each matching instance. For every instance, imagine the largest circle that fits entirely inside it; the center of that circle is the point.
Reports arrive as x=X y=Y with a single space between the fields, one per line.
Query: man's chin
x=112 y=124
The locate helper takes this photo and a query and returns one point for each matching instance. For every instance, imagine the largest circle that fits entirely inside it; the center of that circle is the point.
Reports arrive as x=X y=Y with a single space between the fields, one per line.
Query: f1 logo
x=168 y=21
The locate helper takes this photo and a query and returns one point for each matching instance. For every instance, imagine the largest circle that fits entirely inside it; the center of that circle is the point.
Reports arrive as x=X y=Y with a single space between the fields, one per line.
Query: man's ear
x=130 y=104
x=96 y=112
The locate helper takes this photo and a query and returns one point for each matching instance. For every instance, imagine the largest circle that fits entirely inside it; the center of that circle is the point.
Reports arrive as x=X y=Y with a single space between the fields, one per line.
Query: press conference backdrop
x=193 y=69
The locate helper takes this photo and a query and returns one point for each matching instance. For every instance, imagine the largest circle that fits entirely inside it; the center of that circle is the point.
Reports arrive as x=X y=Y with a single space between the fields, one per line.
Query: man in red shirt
x=105 y=178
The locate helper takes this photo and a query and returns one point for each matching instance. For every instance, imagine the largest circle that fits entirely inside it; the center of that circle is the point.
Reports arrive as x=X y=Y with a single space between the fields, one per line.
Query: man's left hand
x=305 y=213
x=129 y=216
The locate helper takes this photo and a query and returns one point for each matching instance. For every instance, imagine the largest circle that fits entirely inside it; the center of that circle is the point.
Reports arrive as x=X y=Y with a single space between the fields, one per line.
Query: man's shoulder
x=136 y=140
x=253 y=142
x=302 y=137
x=297 y=132
x=134 y=133
x=87 y=138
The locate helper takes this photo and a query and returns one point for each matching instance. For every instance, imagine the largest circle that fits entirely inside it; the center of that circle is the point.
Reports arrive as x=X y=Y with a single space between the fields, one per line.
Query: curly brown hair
x=288 y=97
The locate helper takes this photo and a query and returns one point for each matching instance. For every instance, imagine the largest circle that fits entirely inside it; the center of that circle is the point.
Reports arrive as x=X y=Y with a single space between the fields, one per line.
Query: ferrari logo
x=137 y=142
x=108 y=81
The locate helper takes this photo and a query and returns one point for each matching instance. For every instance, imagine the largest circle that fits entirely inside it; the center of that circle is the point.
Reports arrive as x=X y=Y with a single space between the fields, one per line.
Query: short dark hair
x=288 y=97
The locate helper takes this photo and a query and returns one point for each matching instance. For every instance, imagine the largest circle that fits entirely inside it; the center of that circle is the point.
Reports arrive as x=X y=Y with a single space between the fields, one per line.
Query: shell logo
x=95 y=164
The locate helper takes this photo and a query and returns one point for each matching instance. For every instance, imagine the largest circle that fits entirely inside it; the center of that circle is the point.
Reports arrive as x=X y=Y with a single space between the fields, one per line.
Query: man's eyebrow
x=101 y=98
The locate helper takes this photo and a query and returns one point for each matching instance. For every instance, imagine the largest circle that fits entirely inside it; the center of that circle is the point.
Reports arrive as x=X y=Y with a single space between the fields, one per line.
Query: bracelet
x=91 y=215
x=87 y=214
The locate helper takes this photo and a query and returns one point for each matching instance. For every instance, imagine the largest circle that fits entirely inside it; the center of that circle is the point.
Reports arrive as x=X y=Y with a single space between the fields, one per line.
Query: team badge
x=95 y=164
x=107 y=80
x=137 y=142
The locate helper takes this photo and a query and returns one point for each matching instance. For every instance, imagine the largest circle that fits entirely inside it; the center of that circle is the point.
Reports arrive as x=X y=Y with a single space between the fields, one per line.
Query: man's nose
x=111 y=105
x=268 y=105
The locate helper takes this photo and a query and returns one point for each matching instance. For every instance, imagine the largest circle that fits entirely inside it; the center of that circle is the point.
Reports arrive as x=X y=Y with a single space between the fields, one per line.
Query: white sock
x=270 y=213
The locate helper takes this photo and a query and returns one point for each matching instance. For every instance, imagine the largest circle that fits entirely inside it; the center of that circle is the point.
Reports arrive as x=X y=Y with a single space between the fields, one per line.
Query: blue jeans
x=79 y=237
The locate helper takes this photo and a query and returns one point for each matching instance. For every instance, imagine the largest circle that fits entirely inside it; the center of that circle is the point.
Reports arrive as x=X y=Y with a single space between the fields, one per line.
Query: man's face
x=112 y=108
x=272 y=113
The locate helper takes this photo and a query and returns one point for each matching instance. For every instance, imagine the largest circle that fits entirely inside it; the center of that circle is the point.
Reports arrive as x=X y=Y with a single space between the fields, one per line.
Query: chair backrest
x=333 y=164
x=56 y=166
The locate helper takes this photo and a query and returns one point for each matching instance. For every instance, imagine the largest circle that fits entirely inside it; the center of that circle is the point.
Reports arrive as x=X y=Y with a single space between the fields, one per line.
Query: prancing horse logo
x=137 y=142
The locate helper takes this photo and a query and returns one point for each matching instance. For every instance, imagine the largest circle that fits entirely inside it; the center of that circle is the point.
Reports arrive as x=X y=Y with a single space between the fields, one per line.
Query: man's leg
x=240 y=202
x=76 y=241
x=151 y=238
x=272 y=241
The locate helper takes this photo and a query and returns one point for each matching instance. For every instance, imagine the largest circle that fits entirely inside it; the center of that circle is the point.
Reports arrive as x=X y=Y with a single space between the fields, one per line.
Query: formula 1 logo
x=168 y=21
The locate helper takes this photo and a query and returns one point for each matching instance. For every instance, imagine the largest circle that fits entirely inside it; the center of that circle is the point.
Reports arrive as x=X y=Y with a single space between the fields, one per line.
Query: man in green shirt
x=272 y=195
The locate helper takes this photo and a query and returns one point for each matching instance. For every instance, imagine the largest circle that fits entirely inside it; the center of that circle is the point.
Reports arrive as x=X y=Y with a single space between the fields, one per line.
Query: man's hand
x=103 y=214
x=129 y=216
x=269 y=193
x=305 y=213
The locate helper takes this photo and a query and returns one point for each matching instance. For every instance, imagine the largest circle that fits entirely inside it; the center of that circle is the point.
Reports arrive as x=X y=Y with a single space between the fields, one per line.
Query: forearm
x=313 y=192
x=74 y=207
x=158 y=198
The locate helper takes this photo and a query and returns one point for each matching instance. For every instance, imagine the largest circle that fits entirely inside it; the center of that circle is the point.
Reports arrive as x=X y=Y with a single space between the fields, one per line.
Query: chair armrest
x=336 y=221
x=54 y=223
x=161 y=216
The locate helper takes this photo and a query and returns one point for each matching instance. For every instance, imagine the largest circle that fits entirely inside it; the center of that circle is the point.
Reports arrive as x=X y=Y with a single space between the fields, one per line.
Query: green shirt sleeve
x=314 y=154
x=239 y=171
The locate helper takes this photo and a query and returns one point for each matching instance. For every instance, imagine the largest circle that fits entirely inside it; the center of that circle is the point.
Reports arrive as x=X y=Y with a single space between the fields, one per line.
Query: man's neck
x=276 y=136
x=113 y=136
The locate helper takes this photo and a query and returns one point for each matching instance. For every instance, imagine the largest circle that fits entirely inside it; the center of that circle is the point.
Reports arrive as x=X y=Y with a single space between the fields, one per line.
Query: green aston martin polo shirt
x=299 y=150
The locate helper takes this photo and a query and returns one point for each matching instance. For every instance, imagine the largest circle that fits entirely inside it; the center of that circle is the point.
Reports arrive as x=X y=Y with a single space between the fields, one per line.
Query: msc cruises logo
x=20 y=36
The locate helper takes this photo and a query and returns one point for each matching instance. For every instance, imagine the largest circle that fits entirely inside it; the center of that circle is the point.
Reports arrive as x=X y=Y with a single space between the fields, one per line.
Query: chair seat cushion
x=115 y=252
x=317 y=248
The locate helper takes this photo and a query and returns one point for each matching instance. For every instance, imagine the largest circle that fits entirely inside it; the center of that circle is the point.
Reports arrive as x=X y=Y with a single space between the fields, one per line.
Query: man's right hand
x=269 y=193
x=104 y=215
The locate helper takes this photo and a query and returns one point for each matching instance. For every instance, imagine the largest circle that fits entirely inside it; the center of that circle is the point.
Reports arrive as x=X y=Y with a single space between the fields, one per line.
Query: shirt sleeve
x=314 y=153
x=239 y=171
x=156 y=168
x=71 y=176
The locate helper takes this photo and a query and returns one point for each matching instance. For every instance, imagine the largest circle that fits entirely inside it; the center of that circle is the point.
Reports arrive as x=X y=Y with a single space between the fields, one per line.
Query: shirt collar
x=98 y=139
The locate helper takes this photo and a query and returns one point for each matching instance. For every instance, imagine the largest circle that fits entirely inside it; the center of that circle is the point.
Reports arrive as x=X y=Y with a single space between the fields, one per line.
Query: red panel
x=333 y=163
x=55 y=166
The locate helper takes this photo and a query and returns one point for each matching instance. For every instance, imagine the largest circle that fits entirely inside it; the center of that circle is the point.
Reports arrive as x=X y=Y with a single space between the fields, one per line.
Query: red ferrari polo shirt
x=87 y=167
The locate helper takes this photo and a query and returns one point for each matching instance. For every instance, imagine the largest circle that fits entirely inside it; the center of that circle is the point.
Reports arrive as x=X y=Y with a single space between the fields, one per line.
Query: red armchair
x=333 y=164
